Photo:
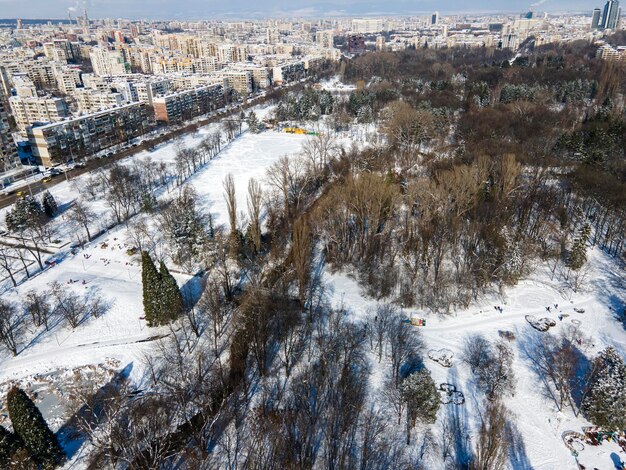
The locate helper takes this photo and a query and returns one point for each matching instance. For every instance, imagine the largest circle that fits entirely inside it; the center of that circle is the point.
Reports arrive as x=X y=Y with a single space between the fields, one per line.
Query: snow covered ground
x=539 y=423
x=120 y=338
x=103 y=266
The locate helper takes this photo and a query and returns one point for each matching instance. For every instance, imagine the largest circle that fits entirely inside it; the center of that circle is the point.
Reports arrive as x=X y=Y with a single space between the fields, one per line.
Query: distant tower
x=86 y=18
x=69 y=16
x=612 y=12
x=595 y=19
x=19 y=23
x=434 y=19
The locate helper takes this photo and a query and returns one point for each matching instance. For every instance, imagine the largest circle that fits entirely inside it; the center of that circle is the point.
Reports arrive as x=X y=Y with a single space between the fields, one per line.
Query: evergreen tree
x=578 y=255
x=26 y=213
x=33 y=430
x=171 y=298
x=151 y=282
x=9 y=444
x=49 y=204
x=605 y=405
x=253 y=122
x=421 y=397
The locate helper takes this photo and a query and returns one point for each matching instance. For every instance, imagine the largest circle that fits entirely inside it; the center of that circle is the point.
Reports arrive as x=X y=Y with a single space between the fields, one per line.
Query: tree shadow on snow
x=192 y=289
x=72 y=434
x=456 y=416
x=517 y=449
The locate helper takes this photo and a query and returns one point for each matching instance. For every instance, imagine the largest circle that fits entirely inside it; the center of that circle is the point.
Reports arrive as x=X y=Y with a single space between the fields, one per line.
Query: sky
x=241 y=9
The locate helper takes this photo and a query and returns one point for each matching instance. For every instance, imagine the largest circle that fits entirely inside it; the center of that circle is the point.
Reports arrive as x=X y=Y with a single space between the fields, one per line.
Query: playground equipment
x=299 y=131
x=415 y=321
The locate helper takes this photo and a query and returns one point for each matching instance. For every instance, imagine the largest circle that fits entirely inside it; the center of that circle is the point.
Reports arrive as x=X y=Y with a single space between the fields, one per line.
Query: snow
x=541 y=426
x=249 y=157
x=104 y=266
x=121 y=336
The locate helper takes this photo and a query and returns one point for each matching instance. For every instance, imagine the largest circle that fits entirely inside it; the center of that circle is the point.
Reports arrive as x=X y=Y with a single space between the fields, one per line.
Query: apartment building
x=148 y=90
x=610 y=53
x=188 y=104
x=86 y=135
x=41 y=72
x=8 y=151
x=288 y=72
x=28 y=110
x=238 y=80
x=108 y=62
x=367 y=26
x=68 y=78
x=325 y=38
x=90 y=101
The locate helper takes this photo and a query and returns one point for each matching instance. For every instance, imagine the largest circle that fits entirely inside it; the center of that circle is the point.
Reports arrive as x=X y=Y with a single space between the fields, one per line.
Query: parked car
x=47 y=179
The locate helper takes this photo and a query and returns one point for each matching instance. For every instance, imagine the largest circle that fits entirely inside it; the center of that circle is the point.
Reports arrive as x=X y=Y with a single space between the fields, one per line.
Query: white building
x=90 y=101
x=107 y=62
x=368 y=26
x=27 y=111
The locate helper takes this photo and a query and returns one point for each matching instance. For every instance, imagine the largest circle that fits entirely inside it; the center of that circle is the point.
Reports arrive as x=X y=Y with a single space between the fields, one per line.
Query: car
x=21 y=193
x=81 y=165
x=47 y=179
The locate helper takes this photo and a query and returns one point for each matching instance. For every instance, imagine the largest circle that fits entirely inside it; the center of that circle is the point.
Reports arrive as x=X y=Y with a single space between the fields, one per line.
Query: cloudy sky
x=207 y=9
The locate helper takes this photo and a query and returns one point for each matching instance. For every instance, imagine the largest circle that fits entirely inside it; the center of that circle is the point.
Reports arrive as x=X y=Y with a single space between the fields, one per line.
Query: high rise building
x=107 y=62
x=434 y=19
x=611 y=15
x=596 y=15
x=28 y=110
x=368 y=26
x=8 y=150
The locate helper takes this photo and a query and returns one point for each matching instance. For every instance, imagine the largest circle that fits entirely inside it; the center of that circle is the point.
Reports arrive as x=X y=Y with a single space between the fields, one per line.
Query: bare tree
x=319 y=150
x=231 y=201
x=555 y=361
x=493 y=443
x=302 y=252
x=75 y=308
x=289 y=176
x=492 y=364
x=11 y=326
x=141 y=237
x=8 y=262
x=82 y=216
x=36 y=305
x=405 y=346
x=255 y=196
x=380 y=321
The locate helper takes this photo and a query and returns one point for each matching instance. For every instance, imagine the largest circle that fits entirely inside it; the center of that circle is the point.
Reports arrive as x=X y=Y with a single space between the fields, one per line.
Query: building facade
x=28 y=110
x=8 y=150
x=187 y=104
x=87 y=135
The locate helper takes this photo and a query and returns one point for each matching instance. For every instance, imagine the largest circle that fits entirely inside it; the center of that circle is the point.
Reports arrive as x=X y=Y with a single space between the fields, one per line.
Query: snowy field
x=121 y=335
x=120 y=338
x=540 y=425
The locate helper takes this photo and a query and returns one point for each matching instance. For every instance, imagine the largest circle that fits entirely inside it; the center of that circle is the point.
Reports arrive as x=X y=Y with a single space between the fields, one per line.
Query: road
x=166 y=135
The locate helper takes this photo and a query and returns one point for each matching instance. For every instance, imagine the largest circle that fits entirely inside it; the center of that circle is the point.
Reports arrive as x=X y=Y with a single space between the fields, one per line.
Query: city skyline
x=197 y=10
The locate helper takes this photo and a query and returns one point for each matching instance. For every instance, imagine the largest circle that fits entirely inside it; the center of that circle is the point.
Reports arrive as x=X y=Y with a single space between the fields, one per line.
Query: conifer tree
x=151 y=282
x=578 y=255
x=253 y=122
x=29 y=425
x=25 y=213
x=422 y=399
x=9 y=444
x=49 y=204
x=171 y=298
x=605 y=405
